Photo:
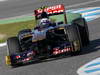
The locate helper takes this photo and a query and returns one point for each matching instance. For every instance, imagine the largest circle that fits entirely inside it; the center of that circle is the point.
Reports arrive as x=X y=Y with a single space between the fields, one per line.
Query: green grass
x=12 y=29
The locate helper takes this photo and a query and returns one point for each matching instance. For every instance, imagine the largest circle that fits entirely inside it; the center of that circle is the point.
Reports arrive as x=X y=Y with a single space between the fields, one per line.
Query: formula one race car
x=56 y=33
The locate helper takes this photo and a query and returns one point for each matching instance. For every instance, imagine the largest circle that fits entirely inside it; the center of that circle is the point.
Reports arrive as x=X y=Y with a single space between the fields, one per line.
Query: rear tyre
x=13 y=47
x=73 y=35
x=83 y=30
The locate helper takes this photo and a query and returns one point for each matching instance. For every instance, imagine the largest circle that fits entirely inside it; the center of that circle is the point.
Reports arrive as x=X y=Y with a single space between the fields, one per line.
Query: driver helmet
x=45 y=22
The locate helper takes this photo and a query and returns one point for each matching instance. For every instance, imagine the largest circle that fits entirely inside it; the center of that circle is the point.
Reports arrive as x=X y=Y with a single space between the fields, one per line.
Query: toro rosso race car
x=56 y=33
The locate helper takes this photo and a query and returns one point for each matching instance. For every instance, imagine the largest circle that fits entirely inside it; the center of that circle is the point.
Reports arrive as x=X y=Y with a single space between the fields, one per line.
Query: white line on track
x=3 y=44
x=95 y=16
x=2 y=0
x=83 y=9
x=93 y=65
x=91 y=12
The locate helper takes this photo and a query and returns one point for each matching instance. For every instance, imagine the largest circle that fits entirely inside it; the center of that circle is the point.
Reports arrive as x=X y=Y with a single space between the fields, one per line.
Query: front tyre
x=13 y=47
x=83 y=30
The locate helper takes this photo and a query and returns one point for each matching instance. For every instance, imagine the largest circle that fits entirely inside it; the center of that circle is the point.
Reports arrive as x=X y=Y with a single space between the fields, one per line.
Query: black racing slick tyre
x=73 y=35
x=83 y=29
x=13 y=47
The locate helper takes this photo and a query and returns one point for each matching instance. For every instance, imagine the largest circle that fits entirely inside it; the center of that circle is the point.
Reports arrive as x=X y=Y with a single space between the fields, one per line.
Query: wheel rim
x=76 y=45
x=8 y=60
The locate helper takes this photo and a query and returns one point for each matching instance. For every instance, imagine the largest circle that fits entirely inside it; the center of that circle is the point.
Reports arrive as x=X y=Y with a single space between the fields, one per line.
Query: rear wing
x=52 y=10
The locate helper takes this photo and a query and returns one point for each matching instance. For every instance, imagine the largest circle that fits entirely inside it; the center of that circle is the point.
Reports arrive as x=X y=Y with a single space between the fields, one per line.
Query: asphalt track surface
x=61 y=66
